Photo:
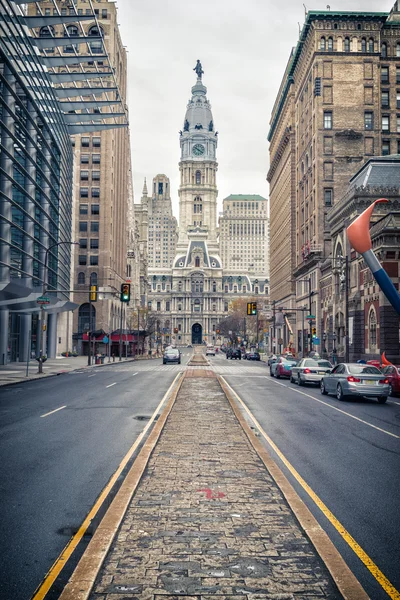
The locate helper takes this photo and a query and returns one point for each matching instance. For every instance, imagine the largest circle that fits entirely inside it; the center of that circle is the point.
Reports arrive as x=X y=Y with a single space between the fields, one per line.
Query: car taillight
x=353 y=379
x=384 y=381
x=307 y=371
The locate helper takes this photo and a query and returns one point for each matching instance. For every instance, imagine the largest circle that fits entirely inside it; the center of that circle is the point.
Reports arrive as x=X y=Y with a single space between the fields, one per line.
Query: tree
x=238 y=322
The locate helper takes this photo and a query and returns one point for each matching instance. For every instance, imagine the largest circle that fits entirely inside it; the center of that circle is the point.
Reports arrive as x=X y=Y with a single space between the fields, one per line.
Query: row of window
x=385 y=74
x=386 y=123
x=94 y=209
x=72 y=12
x=385 y=99
x=85 y=175
x=85 y=142
x=94 y=193
x=85 y=159
x=82 y=278
x=93 y=260
x=94 y=243
x=326 y=44
x=83 y=226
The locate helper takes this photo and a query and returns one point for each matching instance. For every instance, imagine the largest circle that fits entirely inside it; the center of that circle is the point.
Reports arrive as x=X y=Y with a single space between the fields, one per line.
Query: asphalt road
x=54 y=467
x=347 y=452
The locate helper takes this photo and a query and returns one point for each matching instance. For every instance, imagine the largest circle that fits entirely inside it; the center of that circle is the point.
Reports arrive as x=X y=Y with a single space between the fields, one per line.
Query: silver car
x=310 y=370
x=353 y=379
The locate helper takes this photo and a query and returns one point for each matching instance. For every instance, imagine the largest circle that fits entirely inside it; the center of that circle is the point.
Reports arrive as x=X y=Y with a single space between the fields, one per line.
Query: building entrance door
x=197 y=333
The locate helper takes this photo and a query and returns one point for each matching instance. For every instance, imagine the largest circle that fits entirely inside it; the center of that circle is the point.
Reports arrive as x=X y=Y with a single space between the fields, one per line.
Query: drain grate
x=145 y=417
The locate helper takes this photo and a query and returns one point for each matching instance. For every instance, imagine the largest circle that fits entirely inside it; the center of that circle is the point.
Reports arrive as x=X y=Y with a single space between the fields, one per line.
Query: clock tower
x=198 y=167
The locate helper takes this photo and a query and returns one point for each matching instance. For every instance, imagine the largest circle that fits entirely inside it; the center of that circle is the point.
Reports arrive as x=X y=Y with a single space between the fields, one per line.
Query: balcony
x=311 y=248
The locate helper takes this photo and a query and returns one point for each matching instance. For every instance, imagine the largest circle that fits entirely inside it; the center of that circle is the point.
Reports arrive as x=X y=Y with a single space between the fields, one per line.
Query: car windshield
x=363 y=370
x=324 y=363
x=310 y=363
x=289 y=361
x=172 y=351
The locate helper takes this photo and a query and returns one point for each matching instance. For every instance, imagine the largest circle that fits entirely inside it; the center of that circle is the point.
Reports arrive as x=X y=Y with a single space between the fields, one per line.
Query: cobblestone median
x=207 y=520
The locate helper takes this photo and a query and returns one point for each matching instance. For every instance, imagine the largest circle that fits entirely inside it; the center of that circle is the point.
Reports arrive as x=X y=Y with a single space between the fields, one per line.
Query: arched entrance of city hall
x=197 y=333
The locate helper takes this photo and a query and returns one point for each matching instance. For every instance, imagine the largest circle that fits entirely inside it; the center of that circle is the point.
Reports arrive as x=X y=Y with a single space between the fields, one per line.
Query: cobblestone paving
x=207 y=520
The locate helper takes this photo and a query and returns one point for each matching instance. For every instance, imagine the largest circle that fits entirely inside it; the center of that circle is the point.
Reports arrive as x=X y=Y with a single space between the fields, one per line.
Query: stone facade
x=336 y=108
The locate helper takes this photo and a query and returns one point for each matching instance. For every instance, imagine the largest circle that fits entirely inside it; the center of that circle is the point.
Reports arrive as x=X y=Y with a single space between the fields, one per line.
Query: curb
x=346 y=582
x=83 y=578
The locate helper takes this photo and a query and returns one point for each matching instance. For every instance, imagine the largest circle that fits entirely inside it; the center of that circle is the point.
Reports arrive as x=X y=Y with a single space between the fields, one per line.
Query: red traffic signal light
x=125 y=292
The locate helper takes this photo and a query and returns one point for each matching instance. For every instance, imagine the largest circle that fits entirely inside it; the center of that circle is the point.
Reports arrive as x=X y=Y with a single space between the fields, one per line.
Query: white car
x=210 y=351
x=309 y=370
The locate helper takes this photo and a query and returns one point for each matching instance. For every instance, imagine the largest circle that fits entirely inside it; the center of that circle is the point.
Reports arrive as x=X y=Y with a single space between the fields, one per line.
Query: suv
x=210 y=350
x=234 y=353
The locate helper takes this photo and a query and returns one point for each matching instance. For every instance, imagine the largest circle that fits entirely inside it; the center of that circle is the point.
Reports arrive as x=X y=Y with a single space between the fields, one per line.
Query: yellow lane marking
x=53 y=411
x=66 y=554
x=341 y=411
x=362 y=555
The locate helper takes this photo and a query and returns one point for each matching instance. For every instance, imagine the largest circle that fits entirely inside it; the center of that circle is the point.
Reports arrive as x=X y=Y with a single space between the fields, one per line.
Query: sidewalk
x=15 y=372
x=207 y=521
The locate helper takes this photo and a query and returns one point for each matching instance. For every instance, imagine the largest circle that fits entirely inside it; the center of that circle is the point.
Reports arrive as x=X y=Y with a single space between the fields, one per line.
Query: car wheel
x=322 y=387
x=292 y=380
x=382 y=399
x=179 y=362
x=339 y=392
x=299 y=381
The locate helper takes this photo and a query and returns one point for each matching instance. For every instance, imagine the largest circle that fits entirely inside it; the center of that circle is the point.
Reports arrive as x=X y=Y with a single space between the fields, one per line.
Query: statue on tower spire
x=199 y=69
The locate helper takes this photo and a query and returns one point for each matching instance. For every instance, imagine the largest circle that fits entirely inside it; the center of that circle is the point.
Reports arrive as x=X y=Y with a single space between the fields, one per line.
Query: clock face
x=198 y=149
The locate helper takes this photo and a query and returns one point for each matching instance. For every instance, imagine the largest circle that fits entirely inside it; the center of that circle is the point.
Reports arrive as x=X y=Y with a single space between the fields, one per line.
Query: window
x=368 y=120
x=371 y=45
x=96 y=142
x=328 y=197
x=214 y=286
x=93 y=278
x=398 y=49
x=385 y=99
x=197 y=262
x=385 y=123
x=385 y=147
x=330 y=44
x=94 y=260
x=82 y=259
x=397 y=74
x=83 y=243
x=85 y=142
x=83 y=209
x=322 y=44
x=198 y=177
x=82 y=225
x=95 y=192
x=94 y=244
x=372 y=328
x=167 y=306
x=158 y=306
x=226 y=307
x=94 y=226
x=328 y=119
x=398 y=99
x=96 y=159
x=384 y=50
x=363 y=45
x=96 y=46
x=81 y=278
x=84 y=192
x=95 y=175
x=347 y=44
x=384 y=74
x=95 y=209
x=104 y=13
x=84 y=175
x=84 y=159
x=398 y=123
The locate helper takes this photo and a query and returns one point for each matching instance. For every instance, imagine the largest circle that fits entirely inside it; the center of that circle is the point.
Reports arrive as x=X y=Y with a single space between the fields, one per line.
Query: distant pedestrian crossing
x=235 y=369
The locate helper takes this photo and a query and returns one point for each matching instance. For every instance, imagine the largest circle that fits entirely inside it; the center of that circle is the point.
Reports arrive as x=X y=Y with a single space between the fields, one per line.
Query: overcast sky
x=243 y=47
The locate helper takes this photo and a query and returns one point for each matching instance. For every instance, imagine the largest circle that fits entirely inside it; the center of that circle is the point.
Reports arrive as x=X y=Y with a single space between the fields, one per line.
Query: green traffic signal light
x=125 y=292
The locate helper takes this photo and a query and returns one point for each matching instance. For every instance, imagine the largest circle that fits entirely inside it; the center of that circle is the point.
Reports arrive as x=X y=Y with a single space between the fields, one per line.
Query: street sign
x=316 y=341
x=43 y=300
x=105 y=340
x=310 y=317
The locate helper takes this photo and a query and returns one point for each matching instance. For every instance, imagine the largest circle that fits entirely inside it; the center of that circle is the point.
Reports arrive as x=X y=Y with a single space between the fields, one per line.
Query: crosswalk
x=234 y=369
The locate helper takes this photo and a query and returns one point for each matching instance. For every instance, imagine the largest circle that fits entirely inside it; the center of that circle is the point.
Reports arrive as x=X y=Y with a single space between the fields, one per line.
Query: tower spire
x=145 y=193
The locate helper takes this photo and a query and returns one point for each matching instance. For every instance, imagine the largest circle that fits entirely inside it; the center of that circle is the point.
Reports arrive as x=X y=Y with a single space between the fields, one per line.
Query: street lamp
x=46 y=256
x=334 y=347
x=324 y=340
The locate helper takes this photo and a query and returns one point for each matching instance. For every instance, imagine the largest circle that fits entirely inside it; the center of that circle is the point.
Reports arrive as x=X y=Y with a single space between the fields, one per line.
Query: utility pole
x=274 y=328
x=310 y=308
x=120 y=336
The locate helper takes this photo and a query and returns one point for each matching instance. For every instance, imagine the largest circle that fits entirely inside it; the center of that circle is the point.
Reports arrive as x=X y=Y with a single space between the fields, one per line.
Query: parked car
x=171 y=355
x=210 y=350
x=392 y=373
x=271 y=359
x=252 y=355
x=234 y=353
x=353 y=379
x=309 y=370
x=282 y=368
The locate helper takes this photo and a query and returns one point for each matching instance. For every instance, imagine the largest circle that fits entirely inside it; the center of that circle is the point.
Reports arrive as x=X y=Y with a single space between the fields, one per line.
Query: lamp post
x=324 y=340
x=334 y=347
x=138 y=318
x=148 y=311
x=42 y=311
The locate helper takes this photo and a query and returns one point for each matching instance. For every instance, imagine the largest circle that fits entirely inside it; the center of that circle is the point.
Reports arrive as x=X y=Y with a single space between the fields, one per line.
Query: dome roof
x=198 y=116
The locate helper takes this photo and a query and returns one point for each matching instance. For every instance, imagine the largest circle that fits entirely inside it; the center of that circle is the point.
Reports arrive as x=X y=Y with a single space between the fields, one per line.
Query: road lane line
x=91 y=376
x=133 y=374
x=71 y=546
x=53 y=411
x=111 y=384
x=388 y=587
x=342 y=411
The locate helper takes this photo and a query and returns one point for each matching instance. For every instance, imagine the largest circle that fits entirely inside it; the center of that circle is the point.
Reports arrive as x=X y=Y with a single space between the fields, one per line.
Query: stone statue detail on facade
x=199 y=69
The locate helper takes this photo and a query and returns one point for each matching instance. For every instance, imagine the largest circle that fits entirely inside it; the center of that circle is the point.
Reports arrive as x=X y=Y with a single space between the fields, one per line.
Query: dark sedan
x=171 y=355
x=252 y=355
x=234 y=353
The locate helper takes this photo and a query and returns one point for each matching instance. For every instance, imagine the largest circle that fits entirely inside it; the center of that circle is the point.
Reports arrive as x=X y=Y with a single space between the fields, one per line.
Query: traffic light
x=252 y=308
x=93 y=293
x=217 y=331
x=314 y=331
x=125 y=292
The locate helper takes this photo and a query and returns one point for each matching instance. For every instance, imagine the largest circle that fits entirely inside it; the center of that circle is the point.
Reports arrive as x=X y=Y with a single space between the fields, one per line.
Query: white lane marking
x=393 y=402
x=91 y=376
x=133 y=374
x=111 y=384
x=344 y=412
x=53 y=411
x=277 y=383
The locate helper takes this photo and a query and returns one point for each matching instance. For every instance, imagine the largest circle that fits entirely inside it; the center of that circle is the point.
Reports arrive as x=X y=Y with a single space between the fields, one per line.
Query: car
x=353 y=379
x=392 y=373
x=272 y=358
x=210 y=350
x=234 y=353
x=282 y=368
x=189 y=346
x=252 y=355
x=171 y=355
x=309 y=370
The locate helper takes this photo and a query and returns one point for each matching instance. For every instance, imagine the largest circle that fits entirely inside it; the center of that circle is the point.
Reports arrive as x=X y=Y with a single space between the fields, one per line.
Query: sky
x=243 y=47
